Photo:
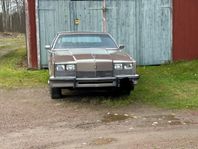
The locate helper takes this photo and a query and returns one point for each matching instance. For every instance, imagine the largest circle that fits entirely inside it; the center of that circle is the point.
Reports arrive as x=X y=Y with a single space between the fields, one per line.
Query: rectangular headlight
x=70 y=67
x=128 y=66
x=118 y=66
x=60 y=67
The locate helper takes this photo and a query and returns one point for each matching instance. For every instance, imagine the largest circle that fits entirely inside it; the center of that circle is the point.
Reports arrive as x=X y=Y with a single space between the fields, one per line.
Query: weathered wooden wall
x=185 y=45
x=143 y=26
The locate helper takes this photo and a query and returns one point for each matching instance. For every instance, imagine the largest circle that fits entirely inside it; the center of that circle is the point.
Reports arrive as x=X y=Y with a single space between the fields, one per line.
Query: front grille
x=85 y=74
x=93 y=74
x=104 y=74
x=123 y=72
x=65 y=73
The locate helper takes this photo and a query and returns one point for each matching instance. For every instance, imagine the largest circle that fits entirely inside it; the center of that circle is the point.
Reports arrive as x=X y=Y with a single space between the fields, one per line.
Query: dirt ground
x=30 y=119
x=5 y=46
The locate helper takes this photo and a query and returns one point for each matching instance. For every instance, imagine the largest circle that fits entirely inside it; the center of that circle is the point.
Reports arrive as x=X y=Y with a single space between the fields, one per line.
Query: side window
x=58 y=43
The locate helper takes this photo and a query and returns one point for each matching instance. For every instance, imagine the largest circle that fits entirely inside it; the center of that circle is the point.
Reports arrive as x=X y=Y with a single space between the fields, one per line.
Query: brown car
x=89 y=60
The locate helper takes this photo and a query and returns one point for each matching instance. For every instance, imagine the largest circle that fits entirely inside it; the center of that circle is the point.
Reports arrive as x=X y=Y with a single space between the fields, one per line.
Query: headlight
x=128 y=66
x=70 y=67
x=60 y=67
x=118 y=66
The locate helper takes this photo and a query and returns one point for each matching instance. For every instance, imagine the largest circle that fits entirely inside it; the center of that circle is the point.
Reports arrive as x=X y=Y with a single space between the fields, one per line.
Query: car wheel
x=55 y=93
x=126 y=87
x=127 y=90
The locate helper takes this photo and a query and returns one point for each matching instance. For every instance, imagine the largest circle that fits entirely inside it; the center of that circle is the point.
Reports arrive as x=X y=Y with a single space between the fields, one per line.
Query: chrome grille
x=93 y=74
x=104 y=74
x=85 y=74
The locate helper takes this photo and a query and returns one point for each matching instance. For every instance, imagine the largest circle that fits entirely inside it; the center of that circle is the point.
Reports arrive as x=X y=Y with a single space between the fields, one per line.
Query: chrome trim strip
x=77 y=85
x=96 y=85
x=97 y=60
x=65 y=63
x=84 y=61
x=119 y=61
x=136 y=76
x=96 y=79
x=62 y=78
x=93 y=60
x=62 y=85
x=103 y=60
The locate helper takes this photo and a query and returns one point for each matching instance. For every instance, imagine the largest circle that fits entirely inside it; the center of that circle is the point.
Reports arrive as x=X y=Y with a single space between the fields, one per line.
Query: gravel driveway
x=30 y=119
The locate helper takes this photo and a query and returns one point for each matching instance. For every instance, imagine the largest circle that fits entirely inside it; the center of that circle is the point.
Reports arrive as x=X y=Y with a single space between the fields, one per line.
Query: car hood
x=89 y=55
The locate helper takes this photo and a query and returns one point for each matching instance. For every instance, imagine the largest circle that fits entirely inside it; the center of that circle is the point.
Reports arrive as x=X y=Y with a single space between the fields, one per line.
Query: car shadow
x=95 y=96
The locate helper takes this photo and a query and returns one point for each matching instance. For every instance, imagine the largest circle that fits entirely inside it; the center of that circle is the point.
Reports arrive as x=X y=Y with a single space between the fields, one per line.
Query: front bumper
x=73 y=82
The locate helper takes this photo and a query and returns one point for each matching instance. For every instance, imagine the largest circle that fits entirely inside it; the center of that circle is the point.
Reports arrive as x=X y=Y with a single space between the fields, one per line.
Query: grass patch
x=12 y=72
x=169 y=86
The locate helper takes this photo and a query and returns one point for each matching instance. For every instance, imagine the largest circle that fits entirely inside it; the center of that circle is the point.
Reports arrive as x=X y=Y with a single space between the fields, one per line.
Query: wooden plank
x=90 y=20
x=156 y=32
x=121 y=23
x=31 y=34
x=144 y=27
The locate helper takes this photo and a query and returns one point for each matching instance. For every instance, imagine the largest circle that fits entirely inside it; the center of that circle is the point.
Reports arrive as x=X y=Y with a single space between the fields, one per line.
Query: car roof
x=82 y=33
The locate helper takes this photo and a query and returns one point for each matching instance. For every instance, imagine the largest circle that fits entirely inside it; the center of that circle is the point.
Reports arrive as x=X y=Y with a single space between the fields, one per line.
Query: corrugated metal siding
x=143 y=26
x=185 y=30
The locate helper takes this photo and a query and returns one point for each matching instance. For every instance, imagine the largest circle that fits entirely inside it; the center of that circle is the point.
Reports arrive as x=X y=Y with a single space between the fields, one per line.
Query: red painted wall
x=185 y=29
x=31 y=34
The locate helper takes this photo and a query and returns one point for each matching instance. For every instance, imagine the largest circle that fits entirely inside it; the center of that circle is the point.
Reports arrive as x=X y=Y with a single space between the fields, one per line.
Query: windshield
x=85 y=41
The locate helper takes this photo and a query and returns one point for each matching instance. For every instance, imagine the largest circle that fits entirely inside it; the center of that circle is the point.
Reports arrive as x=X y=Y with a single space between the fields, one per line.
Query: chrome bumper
x=73 y=82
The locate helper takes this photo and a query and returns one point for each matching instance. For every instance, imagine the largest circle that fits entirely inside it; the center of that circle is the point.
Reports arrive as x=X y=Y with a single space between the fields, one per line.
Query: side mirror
x=121 y=46
x=47 y=47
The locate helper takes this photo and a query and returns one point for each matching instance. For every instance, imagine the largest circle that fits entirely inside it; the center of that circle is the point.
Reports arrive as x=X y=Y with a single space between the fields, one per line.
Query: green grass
x=12 y=72
x=169 y=86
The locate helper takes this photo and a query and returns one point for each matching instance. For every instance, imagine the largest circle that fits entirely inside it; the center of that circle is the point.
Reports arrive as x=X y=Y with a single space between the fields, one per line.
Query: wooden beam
x=31 y=39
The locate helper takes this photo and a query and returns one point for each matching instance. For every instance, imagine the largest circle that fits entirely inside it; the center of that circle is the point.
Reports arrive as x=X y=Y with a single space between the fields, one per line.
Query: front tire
x=126 y=86
x=55 y=93
x=127 y=90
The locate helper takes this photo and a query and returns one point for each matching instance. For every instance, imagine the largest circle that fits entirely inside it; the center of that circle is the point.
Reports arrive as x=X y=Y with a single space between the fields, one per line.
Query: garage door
x=143 y=26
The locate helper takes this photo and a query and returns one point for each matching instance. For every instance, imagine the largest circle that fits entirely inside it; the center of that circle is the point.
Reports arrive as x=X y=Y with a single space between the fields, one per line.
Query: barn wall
x=144 y=27
x=31 y=34
x=185 y=45
x=59 y=15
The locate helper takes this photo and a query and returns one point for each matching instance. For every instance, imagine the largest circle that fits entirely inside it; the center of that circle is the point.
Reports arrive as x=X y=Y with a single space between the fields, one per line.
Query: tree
x=12 y=14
